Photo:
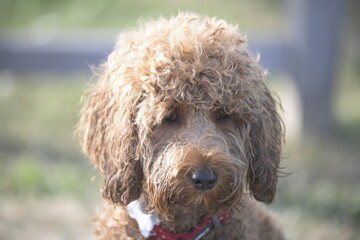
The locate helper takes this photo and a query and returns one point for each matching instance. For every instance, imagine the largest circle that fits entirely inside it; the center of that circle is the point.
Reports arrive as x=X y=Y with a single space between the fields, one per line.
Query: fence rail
x=47 y=51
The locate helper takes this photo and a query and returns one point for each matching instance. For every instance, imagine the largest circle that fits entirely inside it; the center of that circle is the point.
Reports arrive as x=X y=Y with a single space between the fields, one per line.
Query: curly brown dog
x=185 y=133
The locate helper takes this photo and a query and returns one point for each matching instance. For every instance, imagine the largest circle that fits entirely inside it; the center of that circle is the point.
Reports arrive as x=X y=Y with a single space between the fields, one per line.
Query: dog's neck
x=149 y=224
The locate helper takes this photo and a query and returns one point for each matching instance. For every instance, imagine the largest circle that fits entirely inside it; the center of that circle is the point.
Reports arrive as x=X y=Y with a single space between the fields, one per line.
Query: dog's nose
x=203 y=179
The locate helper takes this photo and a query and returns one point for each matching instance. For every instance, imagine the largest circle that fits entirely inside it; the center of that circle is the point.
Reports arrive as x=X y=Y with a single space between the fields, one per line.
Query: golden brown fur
x=173 y=96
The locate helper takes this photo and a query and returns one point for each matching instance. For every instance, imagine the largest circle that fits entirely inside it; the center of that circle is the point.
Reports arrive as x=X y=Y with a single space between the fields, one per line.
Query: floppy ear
x=265 y=148
x=108 y=136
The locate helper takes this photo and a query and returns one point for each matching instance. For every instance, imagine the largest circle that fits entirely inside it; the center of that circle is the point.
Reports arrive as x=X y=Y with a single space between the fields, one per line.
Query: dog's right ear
x=108 y=136
x=266 y=137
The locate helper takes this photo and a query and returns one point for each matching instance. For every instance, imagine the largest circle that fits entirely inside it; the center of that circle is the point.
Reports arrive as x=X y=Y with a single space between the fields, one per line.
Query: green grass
x=30 y=176
x=39 y=153
x=123 y=13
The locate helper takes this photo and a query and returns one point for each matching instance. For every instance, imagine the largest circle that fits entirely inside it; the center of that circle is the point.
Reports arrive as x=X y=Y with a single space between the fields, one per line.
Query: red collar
x=159 y=233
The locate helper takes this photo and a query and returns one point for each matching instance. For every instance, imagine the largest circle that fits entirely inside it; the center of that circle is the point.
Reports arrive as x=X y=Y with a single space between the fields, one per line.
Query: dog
x=185 y=133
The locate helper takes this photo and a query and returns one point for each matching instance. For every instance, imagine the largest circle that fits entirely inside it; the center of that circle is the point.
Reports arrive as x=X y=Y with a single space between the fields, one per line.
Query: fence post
x=314 y=35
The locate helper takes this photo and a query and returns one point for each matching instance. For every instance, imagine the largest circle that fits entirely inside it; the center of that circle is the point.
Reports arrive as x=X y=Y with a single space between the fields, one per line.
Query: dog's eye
x=173 y=116
x=222 y=115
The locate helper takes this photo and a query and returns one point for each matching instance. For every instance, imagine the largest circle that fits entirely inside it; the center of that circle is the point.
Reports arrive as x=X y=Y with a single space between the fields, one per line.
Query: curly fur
x=193 y=70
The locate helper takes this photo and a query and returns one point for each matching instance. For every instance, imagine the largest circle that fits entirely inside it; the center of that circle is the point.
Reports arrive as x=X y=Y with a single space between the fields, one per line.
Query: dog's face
x=181 y=115
x=195 y=159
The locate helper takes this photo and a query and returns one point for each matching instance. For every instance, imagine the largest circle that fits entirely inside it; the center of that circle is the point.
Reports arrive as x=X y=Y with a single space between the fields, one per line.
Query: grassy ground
x=46 y=187
x=48 y=190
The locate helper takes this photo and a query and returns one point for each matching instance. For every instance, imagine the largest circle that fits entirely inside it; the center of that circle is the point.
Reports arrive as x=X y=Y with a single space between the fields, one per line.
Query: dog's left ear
x=264 y=149
x=108 y=136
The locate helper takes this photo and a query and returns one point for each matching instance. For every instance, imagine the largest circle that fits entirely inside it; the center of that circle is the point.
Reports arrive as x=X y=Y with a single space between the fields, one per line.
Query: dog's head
x=181 y=114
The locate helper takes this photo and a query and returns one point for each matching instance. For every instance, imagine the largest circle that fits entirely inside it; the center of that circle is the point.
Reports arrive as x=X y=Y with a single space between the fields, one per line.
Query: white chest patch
x=145 y=221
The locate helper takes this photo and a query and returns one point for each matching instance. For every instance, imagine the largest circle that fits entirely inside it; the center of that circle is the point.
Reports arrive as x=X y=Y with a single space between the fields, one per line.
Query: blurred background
x=311 y=49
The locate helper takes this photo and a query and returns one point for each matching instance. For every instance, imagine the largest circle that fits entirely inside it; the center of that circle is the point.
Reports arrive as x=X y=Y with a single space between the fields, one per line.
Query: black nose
x=203 y=179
